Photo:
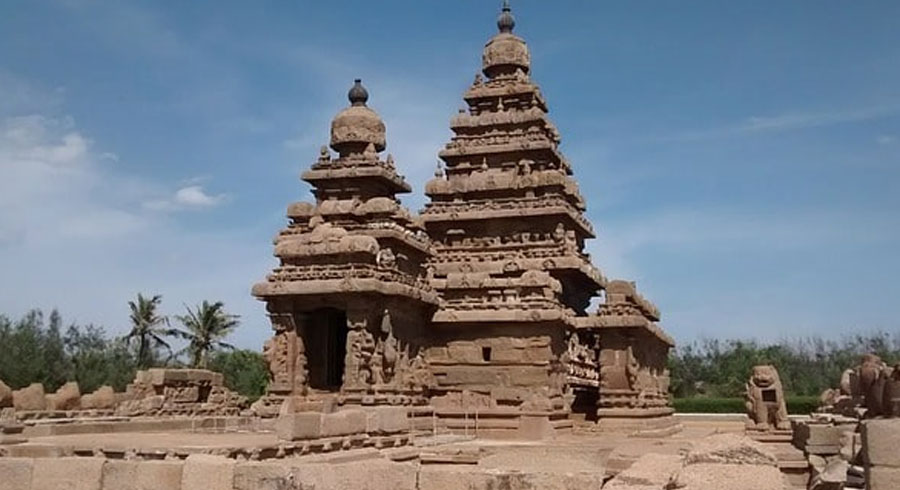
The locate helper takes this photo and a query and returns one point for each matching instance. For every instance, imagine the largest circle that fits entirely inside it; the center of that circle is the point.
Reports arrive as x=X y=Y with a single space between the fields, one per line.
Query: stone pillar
x=880 y=440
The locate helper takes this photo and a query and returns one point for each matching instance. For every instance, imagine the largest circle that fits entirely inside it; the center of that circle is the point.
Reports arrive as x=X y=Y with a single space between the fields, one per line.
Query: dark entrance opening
x=326 y=346
x=584 y=407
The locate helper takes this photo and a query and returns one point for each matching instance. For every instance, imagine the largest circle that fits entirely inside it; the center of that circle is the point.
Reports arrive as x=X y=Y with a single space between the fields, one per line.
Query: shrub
x=796 y=405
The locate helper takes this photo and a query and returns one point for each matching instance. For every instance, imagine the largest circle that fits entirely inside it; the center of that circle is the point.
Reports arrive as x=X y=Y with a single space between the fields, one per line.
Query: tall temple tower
x=506 y=220
x=349 y=302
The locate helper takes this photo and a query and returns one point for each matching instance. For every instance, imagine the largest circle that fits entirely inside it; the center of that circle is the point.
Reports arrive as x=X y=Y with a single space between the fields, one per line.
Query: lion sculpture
x=765 y=400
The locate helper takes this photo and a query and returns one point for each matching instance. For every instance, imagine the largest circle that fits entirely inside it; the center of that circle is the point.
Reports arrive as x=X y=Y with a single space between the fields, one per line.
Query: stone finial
x=356 y=127
x=506 y=22
x=438 y=171
x=324 y=155
x=505 y=51
x=358 y=94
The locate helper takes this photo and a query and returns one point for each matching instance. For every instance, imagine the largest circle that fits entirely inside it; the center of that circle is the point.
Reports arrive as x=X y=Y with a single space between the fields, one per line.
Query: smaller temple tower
x=349 y=301
x=633 y=392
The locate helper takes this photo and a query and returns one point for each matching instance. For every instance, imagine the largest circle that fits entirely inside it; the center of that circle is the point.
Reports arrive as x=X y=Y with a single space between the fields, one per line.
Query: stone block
x=507 y=394
x=538 y=354
x=823 y=450
x=456 y=478
x=368 y=474
x=387 y=420
x=851 y=443
x=881 y=442
x=466 y=352
x=121 y=475
x=31 y=397
x=67 y=397
x=470 y=376
x=534 y=427
x=15 y=473
x=263 y=476
x=650 y=471
x=67 y=474
x=141 y=475
x=507 y=354
x=155 y=377
x=6 y=395
x=343 y=423
x=709 y=476
x=728 y=448
x=186 y=394
x=103 y=397
x=299 y=426
x=206 y=472
x=452 y=478
x=528 y=376
x=882 y=478
x=823 y=435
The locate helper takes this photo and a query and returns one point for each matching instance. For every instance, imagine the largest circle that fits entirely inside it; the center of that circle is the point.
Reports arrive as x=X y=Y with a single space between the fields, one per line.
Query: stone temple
x=478 y=307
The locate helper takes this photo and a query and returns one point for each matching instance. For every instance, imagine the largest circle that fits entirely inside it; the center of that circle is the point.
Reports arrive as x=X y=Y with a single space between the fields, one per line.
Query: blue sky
x=741 y=161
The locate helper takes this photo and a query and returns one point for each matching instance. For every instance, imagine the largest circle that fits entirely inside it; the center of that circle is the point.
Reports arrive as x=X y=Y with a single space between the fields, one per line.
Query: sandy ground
x=567 y=453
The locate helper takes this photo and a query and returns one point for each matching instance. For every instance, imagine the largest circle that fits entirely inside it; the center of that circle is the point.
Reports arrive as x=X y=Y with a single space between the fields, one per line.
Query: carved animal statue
x=871 y=384
x=765 y=399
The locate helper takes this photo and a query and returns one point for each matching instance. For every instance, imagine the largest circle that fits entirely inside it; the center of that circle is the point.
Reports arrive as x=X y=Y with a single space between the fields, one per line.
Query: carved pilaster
x=285 y=356
x=360 y=349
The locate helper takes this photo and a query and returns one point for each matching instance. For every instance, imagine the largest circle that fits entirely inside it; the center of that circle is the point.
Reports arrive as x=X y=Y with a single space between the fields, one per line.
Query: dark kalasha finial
x=358 y=94
x=506 y=22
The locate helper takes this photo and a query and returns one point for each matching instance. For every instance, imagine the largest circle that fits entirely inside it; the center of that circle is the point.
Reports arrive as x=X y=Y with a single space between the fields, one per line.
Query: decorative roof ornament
x=358 y=94
x=324 y=155
x=356 y=127
x=505 y=52
x=506 y=22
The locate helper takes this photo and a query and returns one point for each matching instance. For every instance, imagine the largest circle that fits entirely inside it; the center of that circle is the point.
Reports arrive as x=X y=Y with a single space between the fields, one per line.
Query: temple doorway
x=584 y=407
x=326 y=346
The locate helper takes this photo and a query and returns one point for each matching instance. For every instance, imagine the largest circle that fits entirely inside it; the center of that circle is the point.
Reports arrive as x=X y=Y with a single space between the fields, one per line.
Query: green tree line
x=42 y=349
x=807 y=366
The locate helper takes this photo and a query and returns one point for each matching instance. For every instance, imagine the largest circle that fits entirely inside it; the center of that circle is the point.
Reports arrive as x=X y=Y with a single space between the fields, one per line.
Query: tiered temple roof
x=625 y=308
x=505 y=214
x=357 y=237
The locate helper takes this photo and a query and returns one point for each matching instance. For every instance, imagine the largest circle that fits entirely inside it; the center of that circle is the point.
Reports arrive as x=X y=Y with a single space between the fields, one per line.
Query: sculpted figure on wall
x=357 y=367
x=765 y=400
x=276 y=352
x=391 y=347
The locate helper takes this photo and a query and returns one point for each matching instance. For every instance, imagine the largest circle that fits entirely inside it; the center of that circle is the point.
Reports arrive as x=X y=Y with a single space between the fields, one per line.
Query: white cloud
x=886 y=139
x=75 y=236
x=52 y=186
x=788 y=122
x=195 y=196
x=186 y=198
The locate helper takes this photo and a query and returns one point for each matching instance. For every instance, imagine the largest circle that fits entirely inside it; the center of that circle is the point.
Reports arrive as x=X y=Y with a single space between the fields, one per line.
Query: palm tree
x=148 y=328
x=204 y=328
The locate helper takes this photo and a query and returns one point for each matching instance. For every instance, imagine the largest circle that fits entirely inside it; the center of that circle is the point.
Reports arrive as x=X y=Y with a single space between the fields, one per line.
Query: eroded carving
x=765 y=400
